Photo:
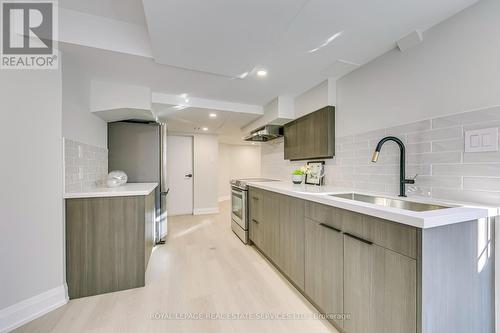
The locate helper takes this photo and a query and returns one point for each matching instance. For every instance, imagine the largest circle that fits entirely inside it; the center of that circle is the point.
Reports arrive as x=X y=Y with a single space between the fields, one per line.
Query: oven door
x=239 y=207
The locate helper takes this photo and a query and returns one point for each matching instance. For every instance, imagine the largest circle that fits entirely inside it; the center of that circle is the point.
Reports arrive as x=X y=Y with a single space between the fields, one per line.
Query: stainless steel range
x=239 y=204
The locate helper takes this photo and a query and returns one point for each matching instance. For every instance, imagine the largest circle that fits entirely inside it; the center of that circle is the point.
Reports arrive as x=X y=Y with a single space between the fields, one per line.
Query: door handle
x=358 y=238
x=189 y=175
x=330 y=227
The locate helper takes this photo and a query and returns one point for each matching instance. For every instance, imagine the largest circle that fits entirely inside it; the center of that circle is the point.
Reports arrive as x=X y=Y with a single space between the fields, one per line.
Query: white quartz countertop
x=459 y=212
x=129 y=189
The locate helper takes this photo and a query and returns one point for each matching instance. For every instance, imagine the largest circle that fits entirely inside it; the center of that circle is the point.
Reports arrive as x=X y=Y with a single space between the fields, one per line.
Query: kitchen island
x=375 y=269
x=109 y=238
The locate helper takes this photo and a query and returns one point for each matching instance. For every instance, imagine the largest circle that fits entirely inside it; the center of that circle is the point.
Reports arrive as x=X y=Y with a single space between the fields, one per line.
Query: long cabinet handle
x=358 y=238
x=255 y=221
x=330 y=227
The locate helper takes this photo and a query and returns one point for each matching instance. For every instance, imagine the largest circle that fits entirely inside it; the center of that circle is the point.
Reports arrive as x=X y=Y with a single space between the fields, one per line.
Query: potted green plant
x=298 y=175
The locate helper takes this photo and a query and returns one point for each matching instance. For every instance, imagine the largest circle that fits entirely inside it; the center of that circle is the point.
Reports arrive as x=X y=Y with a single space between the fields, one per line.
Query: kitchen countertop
x=459 y=212
x=129 y=189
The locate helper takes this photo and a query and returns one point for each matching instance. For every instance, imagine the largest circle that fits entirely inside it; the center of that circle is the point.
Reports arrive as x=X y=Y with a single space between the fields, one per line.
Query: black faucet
x=402 y=156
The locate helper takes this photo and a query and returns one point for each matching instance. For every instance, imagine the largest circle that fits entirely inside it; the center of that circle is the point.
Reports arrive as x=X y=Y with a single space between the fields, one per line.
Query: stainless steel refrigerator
x=140 y=149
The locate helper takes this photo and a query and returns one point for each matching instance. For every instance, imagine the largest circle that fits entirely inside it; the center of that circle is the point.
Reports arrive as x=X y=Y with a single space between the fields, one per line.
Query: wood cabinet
x=324 y=267
x=255 y=213
x=378 y=276
x=108 y=243
x=311 y=136
x=379 y=289
x=291 y=238
x=277 y=229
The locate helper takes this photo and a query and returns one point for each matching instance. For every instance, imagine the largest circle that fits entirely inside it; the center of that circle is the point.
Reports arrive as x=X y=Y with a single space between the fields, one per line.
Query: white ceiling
x=227 y=125
x=130 y=11
x=226 y=37
x=198 y=44
x=229 y=37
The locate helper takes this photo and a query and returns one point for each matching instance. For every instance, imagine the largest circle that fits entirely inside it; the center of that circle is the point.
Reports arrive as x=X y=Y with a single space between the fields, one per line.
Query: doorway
x=180 y=175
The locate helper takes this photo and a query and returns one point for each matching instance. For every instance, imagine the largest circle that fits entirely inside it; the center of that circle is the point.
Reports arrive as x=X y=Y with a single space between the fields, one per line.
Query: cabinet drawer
x=391 y=235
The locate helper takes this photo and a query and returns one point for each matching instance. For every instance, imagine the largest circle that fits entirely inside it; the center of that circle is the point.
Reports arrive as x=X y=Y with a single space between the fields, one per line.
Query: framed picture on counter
x=316 y=173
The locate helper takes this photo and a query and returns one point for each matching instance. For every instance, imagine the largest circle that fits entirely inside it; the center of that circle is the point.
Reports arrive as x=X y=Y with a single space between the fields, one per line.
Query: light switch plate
x=482 y=140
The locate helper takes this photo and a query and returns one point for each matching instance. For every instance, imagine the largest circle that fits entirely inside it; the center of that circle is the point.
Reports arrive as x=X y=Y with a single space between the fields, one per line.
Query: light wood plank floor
x=203 y=268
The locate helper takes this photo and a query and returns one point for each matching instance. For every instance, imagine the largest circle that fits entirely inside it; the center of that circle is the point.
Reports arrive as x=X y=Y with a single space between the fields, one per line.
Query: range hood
x=265 y=133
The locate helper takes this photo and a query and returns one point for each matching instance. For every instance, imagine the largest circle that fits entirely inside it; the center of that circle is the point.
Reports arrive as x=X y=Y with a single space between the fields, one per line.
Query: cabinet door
x=324 y=267
x=322 y=136
x=255 y=214
x=379 y=289
x=270 y=224
x=291 y=141
x=291 y=239
x=311 y=136
x=305 y=133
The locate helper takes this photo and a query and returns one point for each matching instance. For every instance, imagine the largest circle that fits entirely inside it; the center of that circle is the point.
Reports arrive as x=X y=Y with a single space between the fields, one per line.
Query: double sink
x=389 y=202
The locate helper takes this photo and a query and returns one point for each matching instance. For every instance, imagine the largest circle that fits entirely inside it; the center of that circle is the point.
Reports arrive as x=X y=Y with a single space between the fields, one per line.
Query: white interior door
x=180 y=175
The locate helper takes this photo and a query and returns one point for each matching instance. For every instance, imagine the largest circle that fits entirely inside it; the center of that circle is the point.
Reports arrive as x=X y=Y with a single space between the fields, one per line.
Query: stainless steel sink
x=388 y=202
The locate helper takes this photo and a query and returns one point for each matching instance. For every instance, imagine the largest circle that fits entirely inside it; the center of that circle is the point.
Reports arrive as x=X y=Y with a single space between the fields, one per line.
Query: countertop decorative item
x=116 y=178
x=298 y=175
x=316 y=173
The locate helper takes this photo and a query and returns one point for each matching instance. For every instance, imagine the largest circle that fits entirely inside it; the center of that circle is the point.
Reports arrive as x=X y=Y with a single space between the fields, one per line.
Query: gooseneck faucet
x=402 y=160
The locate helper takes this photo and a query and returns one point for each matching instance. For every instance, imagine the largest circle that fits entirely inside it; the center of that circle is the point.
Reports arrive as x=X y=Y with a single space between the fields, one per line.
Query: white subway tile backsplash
x=440 y=181
x=482 y=183
x=418 y=169
x=431 y=158
x=448 y=145
x=435 y=134
x=482 y=157
x=477 y=116
x=468 y=195
x=377 y=134
x=85 y=166
x=418 y=148
x=486 y=170
x=410 y=128
x=435 y=151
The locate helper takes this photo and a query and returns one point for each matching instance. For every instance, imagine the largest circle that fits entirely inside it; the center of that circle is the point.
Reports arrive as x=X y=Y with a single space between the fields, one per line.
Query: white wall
x=420 y=95
x=78 y=123
x=312 y=100
x=205 y=153
x=31 y=221
x=236 y=161
x=454 y=70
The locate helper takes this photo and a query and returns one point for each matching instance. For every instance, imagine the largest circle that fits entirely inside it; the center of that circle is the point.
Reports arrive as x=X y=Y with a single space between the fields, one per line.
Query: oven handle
x=237 y=192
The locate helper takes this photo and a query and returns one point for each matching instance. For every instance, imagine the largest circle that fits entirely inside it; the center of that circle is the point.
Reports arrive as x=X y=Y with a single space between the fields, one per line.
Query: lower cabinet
x=277 y=229
x=255 y=214
x=354 y=268
x=108 y=243
x=291 y=238
x=324 y=262
x=379 y=289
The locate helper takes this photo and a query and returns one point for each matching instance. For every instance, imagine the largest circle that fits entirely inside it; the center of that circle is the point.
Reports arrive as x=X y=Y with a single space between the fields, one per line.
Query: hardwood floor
x=203 y=268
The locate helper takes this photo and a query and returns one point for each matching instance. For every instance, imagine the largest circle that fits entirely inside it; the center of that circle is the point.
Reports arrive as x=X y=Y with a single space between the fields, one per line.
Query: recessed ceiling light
x=186 y=100
x=262 y=73
x=244 y=75
x=326 y=42
x=205 y=129
x=213 y=115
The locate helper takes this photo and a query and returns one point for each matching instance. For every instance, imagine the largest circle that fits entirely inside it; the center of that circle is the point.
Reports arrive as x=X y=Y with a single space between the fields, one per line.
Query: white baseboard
x=203 y=211
x=224 y=198
x=20 y=313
